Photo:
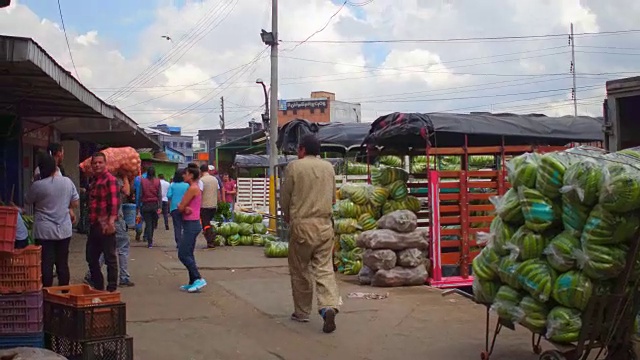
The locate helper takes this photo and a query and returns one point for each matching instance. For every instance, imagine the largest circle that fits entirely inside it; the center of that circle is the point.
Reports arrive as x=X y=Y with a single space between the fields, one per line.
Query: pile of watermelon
x=561 y=235
x=359 y=207
x=247 y=230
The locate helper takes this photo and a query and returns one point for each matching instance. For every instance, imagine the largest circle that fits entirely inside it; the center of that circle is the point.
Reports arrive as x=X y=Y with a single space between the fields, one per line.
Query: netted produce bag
x=560 y=252
x=390 y=160
x=345 y=226
x=526 y=244
x=352 y=267
x=532 y=314
x=258 y=239
x=277 y=249
x=259 y=228
x=620 y=190
x=245 y=229
x=540 y=212
x=400 y=276
x=412 y=203
x=522 y=170
x=219 y=240
x=606 y=228
x=508 y=207
x=358 y=193
x=564 y=325
x=507 y=272
x=347 y=241
x=384 y=176
x=378 y=195
x=498 y=236
x=346 y=209
x=367 y=222
x=233 y=240
x=485 y=265
x=506 y=302
x=123 y=160
x=551 y=170
x=582 y=182
x=389 y=239
x=403 y=221
x=228 y=229
x=573 y=289
x=398 y=190
x=574 y=215
x=484 y=291
x=537 y=278
x=409 y=203
x=411 y=257
x=246 y=240
x=601 y=262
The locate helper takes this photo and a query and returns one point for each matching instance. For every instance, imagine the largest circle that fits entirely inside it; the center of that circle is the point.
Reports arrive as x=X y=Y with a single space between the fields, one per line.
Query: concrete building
x=321 y=107
x=211 y=138
x=171 y=137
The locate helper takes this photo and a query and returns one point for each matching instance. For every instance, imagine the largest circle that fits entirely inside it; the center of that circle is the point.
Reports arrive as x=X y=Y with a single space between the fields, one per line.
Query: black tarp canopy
x=410 y=130
x=333 y=136
x=262 y=161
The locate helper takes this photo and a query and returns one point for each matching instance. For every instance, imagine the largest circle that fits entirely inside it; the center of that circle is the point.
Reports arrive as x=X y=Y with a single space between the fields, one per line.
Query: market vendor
x=22 y=233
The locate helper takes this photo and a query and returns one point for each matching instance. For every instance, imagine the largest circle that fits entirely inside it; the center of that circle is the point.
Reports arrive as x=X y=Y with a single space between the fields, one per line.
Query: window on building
x=189 y=158
x=312 y=110
x=181 y=145
x=322 y=110
x=166 y=143
x=175 y=144
x=189 y=145
x=295 y=111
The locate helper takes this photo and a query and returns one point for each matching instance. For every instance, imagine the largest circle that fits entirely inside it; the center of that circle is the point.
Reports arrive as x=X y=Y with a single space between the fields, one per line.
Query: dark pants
x=186 y=247
x=206 y=216
x=176 y=215
x=98 y=244
x=150 y=217
x=55 y=252
x=21 y=244
x=165 y=214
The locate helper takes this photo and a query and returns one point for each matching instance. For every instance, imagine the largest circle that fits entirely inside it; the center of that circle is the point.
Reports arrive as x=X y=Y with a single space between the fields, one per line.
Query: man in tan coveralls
x=306 y=198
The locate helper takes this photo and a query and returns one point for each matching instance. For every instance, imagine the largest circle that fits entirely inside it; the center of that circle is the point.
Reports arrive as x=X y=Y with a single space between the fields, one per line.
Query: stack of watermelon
x=247 y=230
x=562 y=234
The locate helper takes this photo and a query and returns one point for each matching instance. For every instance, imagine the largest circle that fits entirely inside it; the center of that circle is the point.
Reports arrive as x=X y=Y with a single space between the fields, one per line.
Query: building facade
x=211 y=138
x=171 y=137
x=321 y=107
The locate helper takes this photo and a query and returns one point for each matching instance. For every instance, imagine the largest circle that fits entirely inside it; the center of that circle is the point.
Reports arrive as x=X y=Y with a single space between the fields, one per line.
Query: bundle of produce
x=507 y=272
x=395 y=254
x=537 y=278
x=390 y=160
x=123 y=161
x=354 y=168
x=508 y=207
x=506 y=301
x=526 y=244
x=276 y=249
x=573 y=289
x=498 y=236
x=540 y=212
x=485 y=291
x=410 y=203
x=560 y=252
x=601 y=262
x=386 y=175
x=620 y=190
x=551 y=170
x=582 y=181
x=522 y=170
x=532 y=314
x=485 y=265
x=564 y=325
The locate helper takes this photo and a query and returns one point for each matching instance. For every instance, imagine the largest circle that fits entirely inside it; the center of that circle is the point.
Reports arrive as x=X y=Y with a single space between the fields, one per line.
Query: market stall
x=457 y=201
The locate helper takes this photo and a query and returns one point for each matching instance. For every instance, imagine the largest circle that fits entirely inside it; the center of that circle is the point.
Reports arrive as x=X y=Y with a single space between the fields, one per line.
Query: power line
x=467 y=39
x=319 y=30
x=66 y=38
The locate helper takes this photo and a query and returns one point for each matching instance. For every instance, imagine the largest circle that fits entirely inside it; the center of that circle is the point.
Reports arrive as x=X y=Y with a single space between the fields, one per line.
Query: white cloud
x=413 y=76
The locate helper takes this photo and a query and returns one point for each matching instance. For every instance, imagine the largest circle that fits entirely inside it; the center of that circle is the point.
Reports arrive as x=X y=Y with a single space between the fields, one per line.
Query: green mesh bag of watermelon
x=573 y=289
x=522 y=170
x=564 y=325
x=540 y=212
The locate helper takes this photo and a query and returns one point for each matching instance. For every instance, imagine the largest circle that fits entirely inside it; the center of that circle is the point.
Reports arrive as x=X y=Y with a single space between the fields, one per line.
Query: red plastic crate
x=8 y=227
x=80 y=295
x=21 y=271
x=21 y=314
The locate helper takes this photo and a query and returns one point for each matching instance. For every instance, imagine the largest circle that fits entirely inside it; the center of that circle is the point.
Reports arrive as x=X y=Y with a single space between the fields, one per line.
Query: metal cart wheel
x=552 y=355
x=484 y=355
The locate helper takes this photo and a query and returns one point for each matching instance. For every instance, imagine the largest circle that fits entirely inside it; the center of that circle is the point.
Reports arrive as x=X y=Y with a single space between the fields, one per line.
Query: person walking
x=56 y=151
x=103 y=214
x=189 y=207
x=230 y=191
x=210 y=190
x=150 y=203
x=123 y=242
x=54 y=197
x=164 y=186
x=138 y=193
x=306 y=199
x=175 y=194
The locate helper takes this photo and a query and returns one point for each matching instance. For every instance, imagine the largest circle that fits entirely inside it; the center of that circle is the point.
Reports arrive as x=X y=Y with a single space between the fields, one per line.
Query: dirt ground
x=243 y=314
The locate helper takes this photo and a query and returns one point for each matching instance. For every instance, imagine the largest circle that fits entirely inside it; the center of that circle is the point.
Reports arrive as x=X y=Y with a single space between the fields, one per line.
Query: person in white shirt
x=164 y=187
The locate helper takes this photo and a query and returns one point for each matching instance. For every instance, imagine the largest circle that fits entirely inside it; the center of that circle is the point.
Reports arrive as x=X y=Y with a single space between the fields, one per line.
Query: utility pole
x=222 y=124
x=273 y=115
x=574 y=90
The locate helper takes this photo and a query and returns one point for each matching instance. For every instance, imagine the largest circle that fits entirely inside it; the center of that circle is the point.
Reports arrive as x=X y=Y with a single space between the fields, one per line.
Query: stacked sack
x=396 y=254
x=561 y=236
x=124 y=161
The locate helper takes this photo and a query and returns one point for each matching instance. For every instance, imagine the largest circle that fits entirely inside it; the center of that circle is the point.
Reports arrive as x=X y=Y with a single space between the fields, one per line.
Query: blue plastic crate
x=8 y=342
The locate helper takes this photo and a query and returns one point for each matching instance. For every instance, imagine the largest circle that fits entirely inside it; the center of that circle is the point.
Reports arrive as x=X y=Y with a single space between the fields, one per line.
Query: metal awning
x=36 y=88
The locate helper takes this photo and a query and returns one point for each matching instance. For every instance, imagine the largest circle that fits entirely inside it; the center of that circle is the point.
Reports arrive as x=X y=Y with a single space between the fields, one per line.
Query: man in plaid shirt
x=103 y=213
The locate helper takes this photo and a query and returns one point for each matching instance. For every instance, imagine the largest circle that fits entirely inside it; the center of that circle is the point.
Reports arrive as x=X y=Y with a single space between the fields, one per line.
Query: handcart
x=607 y=322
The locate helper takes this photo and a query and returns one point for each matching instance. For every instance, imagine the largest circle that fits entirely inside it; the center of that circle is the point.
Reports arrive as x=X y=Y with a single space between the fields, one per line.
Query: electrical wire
x=66 y=38
x=319 y=30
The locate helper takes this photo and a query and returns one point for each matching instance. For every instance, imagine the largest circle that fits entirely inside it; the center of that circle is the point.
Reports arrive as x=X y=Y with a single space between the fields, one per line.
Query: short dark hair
x=54 y=148
x=47 y=166
x=204 y=168
x=194 y=172
x=192 y=165
x=310 y=144
x=151 y=172
x=99 y=154
x=161 y=176
x=177 y=177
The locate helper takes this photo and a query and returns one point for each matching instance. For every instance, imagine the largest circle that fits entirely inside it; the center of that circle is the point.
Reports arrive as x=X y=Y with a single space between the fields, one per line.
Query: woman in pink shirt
x=191 y=227
x=230 y=191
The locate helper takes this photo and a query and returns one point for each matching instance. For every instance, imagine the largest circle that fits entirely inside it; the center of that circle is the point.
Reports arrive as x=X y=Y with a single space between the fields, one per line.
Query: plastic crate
x=120 y=348
x=85 y=323
x=21 y=314
x=8 y=227
x=80 y=295
x=34 y=341
x=21 y=271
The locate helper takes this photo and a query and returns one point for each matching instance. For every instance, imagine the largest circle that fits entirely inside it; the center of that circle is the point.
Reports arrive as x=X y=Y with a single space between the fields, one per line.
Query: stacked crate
x=86 y=324
x=21 y=298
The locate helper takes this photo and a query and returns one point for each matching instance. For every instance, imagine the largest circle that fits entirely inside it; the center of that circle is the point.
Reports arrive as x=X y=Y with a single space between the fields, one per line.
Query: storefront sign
x=35 y=134
x=306 y=104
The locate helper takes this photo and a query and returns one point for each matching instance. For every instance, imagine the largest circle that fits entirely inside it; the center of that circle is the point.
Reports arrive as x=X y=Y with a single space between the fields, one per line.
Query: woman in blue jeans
x=191 y=227
x=177 y=189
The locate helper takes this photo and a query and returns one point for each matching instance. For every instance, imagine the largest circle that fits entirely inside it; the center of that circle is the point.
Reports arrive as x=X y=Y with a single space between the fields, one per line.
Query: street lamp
x=265 y=115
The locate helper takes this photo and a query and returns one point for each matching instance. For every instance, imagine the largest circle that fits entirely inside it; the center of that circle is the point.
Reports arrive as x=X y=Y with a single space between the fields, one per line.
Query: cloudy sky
x=388 y=55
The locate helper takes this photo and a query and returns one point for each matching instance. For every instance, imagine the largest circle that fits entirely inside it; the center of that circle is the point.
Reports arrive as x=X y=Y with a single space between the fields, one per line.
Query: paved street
x=243 y=314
